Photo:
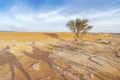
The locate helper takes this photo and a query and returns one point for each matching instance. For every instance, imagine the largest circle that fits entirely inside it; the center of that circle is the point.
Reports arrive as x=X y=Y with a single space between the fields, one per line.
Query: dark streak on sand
x=6 y=57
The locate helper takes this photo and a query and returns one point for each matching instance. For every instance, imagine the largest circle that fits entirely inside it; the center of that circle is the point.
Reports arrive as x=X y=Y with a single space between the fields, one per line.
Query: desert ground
x=56 y=56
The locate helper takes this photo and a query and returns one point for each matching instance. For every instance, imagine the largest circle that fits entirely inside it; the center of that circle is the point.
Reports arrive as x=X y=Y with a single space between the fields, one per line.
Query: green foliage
x=79 y=26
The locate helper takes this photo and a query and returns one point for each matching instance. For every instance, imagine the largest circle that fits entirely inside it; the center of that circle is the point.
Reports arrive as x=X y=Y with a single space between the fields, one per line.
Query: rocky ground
x=92 y=58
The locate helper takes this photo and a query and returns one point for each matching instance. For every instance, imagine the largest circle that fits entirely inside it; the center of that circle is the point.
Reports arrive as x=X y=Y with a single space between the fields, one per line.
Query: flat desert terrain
x=56 y=56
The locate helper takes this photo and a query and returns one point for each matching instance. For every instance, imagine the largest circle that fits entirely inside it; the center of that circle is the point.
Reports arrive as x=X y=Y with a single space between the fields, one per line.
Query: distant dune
x=29 y=36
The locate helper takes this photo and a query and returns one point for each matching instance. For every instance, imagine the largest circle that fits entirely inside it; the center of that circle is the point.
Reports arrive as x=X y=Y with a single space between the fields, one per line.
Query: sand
x=56 y=56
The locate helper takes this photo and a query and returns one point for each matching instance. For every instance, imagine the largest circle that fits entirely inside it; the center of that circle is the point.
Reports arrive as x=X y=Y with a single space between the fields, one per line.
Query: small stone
x=36 y=66
x=104 y=42
x=48 y=77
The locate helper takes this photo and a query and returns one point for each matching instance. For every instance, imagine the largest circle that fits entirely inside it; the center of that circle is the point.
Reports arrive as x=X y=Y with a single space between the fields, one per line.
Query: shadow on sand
x=6 y=57
x=39 y=54
x=53 y=35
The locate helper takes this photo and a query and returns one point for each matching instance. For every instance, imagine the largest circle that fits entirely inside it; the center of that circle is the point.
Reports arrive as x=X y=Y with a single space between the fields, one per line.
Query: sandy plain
x=56 y=56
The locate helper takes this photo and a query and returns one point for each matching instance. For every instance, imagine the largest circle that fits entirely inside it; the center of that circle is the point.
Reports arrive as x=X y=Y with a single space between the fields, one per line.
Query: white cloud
x=16 y=20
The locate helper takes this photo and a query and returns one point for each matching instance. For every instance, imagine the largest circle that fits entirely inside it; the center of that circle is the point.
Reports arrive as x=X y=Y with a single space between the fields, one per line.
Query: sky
x=52 y=15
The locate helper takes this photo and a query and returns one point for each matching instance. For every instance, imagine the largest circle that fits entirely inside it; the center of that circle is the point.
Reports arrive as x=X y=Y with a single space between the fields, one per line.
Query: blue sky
x=52 y=15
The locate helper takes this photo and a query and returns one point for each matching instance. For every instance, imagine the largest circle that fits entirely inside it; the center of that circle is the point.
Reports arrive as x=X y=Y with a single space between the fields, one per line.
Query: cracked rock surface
x=61 y=59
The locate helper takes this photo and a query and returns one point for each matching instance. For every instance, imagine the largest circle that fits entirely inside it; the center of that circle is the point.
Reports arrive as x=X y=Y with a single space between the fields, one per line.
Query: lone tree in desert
x=79 y=27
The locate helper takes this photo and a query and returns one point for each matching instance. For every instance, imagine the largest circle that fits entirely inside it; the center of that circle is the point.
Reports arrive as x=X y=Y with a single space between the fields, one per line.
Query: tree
x=79 y=26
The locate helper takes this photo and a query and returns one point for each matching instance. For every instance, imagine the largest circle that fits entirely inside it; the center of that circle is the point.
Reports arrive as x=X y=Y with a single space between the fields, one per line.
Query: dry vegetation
x=56 y=56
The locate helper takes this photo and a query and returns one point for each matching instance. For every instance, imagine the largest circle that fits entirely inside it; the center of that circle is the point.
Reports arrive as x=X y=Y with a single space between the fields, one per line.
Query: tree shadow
x=39 y=54
x=53 y=35
x=6 y=57
x=43 y=55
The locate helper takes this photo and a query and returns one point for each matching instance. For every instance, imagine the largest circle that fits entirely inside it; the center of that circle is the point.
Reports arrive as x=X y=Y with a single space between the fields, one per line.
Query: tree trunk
x=76 y=36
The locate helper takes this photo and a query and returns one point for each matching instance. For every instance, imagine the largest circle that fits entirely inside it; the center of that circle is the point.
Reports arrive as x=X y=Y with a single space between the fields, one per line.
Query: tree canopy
x=79 y=26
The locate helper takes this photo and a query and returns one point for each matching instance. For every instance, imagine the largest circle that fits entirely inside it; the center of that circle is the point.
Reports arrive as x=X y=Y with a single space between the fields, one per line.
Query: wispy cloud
x=18 y=19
